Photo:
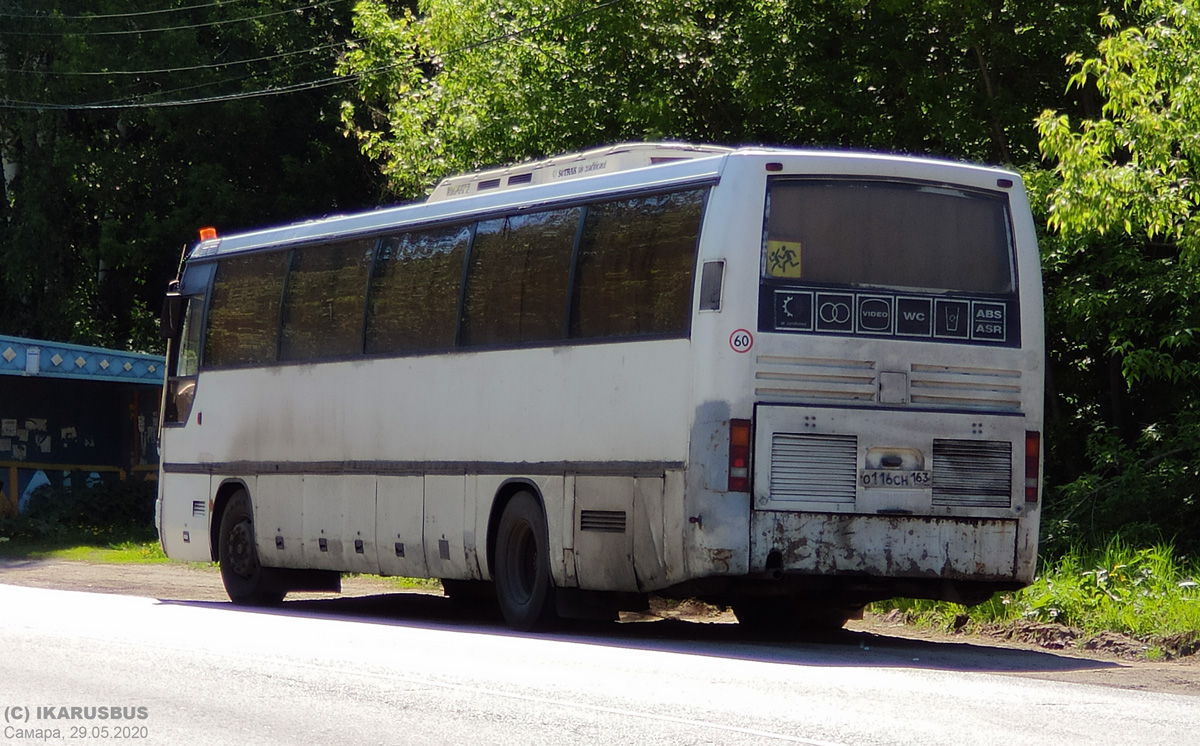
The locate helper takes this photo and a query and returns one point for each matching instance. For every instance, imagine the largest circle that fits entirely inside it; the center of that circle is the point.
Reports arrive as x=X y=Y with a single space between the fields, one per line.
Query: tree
x=106 y=178
x=469 y=83
x=1122 y=273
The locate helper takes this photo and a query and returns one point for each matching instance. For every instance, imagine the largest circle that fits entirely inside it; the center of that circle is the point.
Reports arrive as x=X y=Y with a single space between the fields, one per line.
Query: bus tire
x=246 y=581
x=524 y=587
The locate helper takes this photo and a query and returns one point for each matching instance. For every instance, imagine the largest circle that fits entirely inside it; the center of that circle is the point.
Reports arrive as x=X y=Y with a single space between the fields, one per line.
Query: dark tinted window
x=243 y=318
x=888 y=234
x=413 y=302
x=517 y=284
x=635 y=265
x=323 y=304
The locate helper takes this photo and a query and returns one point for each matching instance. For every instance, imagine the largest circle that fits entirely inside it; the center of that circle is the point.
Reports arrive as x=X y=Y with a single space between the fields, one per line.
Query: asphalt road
x=199 y=672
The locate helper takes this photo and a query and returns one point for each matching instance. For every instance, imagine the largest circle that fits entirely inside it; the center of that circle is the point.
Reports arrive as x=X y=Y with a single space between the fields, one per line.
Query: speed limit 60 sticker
x=741 y=340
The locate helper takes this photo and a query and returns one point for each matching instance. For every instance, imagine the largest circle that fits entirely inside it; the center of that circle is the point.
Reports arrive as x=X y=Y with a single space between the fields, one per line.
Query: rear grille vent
x=815 y=379
x=965 y=388
x=814 y=468
x=606 y=521
x=972 y=473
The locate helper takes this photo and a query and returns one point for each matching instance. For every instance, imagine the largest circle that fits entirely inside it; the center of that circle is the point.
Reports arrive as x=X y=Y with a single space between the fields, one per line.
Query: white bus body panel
x=636 y=429
x=399 y=526
x=523 y=413
x=528 y=406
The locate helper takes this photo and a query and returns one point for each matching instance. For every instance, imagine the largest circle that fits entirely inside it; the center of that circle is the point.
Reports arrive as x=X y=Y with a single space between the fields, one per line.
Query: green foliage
x=467 y=83
x=113 y=550
x=1134 y=167
x=1123 y=285
x=1139 y=592
x=1145 y=593
x=97 y=204
x=97 y=512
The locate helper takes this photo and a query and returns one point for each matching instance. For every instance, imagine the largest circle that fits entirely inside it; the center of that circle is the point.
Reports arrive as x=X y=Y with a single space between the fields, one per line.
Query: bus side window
x=323 y=303
x=412 y=303
x=243 y=317
x=517 y=281
x=635 y=266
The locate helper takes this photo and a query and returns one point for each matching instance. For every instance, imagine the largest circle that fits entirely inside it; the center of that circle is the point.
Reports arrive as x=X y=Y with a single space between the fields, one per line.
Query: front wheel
x=246 y=581
x=524 y=587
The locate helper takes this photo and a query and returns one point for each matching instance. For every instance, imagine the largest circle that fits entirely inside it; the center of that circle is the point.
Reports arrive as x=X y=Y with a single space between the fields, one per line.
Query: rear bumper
x=972 y=549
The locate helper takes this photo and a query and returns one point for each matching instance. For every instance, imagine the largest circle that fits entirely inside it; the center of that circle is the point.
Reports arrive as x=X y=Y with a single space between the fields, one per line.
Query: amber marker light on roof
x=208 y=234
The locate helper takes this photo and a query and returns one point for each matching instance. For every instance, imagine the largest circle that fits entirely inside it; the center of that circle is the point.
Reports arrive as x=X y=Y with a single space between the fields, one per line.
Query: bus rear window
x=888 y=234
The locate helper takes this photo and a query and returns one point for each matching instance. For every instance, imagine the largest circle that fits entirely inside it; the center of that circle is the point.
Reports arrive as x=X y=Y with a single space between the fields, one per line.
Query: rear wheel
x=246 y=581
x=524 y=587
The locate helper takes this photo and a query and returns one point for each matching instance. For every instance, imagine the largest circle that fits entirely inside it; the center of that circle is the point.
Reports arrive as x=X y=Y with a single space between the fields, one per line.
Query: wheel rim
x=522 y=563
x=242 y=559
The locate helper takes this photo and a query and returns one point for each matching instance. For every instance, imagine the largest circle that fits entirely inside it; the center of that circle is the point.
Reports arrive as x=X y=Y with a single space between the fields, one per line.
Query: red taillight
x=208 y=234
x=739 y=455
x=1033 y=453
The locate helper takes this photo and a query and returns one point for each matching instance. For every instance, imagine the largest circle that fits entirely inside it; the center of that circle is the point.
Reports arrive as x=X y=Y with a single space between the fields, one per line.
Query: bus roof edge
x=608 y=159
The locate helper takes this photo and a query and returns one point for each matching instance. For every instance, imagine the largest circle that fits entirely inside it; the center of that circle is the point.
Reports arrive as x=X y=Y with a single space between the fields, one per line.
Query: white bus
x=793 y=382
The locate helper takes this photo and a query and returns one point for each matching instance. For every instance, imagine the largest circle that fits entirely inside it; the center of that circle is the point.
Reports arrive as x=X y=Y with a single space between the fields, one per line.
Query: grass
x=139 y=552
x=1149 y=594
x=408 y=584
x=127 y=552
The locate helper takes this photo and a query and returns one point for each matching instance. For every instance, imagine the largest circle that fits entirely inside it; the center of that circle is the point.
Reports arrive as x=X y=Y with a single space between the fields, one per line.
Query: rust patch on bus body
x=885 y=546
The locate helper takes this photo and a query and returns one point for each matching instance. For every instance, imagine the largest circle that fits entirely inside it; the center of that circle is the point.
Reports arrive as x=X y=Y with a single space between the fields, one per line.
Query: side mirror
x=171 y=320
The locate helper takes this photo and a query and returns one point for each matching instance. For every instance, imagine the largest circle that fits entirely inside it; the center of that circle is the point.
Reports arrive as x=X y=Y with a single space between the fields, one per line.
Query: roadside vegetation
x=84 y=550
x=1151 y=595
x=103 y=522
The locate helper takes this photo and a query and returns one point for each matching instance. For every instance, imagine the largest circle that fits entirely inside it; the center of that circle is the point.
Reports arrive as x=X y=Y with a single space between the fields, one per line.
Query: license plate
x=893 y=479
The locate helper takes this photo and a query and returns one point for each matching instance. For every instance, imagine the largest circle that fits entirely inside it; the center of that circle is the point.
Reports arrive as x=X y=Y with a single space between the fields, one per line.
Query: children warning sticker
x=783 y=259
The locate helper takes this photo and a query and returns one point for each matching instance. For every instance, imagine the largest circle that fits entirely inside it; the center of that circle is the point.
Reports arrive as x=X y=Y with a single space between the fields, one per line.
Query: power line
x=212 y=66
x=41 y=16
x=208 y=24
x=140 y=102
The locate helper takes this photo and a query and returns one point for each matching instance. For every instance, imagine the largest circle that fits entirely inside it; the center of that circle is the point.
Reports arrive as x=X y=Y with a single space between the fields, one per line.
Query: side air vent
x=972 y=473
x=814 y=468
x=606 y=521
x=198 y=508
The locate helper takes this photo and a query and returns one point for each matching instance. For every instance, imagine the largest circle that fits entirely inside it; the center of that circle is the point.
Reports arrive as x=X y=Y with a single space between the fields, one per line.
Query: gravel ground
x=1061 y=653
